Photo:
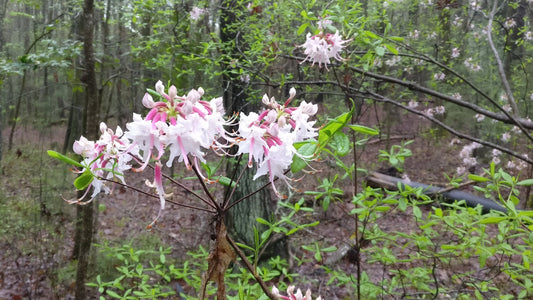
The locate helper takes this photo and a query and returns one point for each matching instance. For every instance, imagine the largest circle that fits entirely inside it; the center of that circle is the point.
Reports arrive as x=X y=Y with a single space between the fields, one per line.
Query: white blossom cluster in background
x=322 y=47
x=197 y=12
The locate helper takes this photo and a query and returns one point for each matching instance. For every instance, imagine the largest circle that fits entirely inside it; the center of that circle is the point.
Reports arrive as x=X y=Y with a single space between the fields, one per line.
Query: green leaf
x=341 y=143
x=363 y=129
x=262 y=221
x=326 y=134
x=139 y=269
x=64 y=158
x=526 y=213
x=438 y=212
x=84 y=180
x=396 y=38
x=302 y=28
x=380 y=51
x=382 y=208
x=477 y=178
x=329 y=249
x=392 y=49
x=226 y=181
x=492 y=220
x=306 y=150
x=370 y=34
x=113 y=294
x=417 y=212
x=156 y=95
x=245 y=246
x=526 y=182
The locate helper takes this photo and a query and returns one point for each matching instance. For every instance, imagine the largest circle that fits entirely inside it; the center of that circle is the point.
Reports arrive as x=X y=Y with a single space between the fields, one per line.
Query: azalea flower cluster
x=185 y=127
x=105 y=158
x=294 y=296
x=268 y=137
x=322 y=47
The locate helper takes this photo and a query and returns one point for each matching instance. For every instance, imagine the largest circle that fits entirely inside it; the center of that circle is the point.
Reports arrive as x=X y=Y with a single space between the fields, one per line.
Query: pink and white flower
x=322 y=47
x=106 y=158
x=455 y=52
x=197 y=12
x=268 y=137
x=293 y=296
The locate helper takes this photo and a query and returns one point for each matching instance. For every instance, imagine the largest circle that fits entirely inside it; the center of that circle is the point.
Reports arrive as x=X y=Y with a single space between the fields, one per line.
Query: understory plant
x=182 y=128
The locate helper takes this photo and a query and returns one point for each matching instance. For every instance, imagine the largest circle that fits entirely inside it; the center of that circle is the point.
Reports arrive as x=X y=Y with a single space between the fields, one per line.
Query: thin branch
x=252 y=270
x=502 y=117
x=227 y=197
x=381 y=98
x=154 y=196
x=249 y=195
x=501 y=71
x=187 y=189
x=206 y=190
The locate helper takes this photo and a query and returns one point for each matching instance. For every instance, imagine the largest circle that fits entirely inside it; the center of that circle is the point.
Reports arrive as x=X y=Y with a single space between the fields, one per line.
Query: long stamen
x=184 y=154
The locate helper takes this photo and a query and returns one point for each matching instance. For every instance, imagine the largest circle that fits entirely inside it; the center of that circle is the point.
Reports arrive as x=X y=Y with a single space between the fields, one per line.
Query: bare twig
x=381 y=98
x=501 y=71
x=251 y=269
x=154 y=196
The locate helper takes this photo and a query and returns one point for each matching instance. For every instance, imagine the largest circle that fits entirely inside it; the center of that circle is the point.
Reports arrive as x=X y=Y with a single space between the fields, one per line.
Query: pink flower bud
x=148 y=101
x=292 y=93
x=265 y=100
x=159 y=87
x=172 y=92
x=103 y=127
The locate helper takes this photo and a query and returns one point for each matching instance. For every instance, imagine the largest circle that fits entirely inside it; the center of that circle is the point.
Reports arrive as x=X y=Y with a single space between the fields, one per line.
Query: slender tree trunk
x=85 y=213
x=14 y=119
x=3 y=10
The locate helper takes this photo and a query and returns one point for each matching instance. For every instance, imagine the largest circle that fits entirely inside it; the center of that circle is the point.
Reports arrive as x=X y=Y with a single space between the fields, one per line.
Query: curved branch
x=501 y=71
x=384 y=99
x=505 y=118
x=502 y=117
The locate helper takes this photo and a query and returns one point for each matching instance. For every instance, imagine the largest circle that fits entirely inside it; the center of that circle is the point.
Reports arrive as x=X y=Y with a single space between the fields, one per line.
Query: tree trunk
x=85 y=213
x=3 y=10
x=242 y=217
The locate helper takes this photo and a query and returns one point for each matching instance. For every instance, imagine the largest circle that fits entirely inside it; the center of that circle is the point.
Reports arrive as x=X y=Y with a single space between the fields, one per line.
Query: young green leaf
x=64 y=158
x=492 y=220
x=363 y=129
x=340 y=143
x=84 y=180
x=477 y=178
x=526 y=182
x=226 y=181
x=326 y=134
x=302 y=28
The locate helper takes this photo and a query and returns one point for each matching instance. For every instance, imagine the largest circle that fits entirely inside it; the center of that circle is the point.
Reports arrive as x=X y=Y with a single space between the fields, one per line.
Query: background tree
x=85 y=213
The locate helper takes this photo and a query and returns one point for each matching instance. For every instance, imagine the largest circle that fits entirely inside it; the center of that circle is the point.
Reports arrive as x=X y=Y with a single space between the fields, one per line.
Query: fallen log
x=379 y=180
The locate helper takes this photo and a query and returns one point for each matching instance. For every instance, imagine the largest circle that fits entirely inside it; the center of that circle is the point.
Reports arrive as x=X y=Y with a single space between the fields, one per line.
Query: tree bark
x=242 y=217
x=85 y=213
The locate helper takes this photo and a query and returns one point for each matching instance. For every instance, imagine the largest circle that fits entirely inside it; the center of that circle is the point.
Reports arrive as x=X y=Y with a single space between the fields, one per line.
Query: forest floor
x=34 y=253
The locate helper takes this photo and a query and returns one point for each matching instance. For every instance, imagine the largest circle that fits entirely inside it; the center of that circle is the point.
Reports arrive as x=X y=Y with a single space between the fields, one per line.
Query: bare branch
x=501 y=71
